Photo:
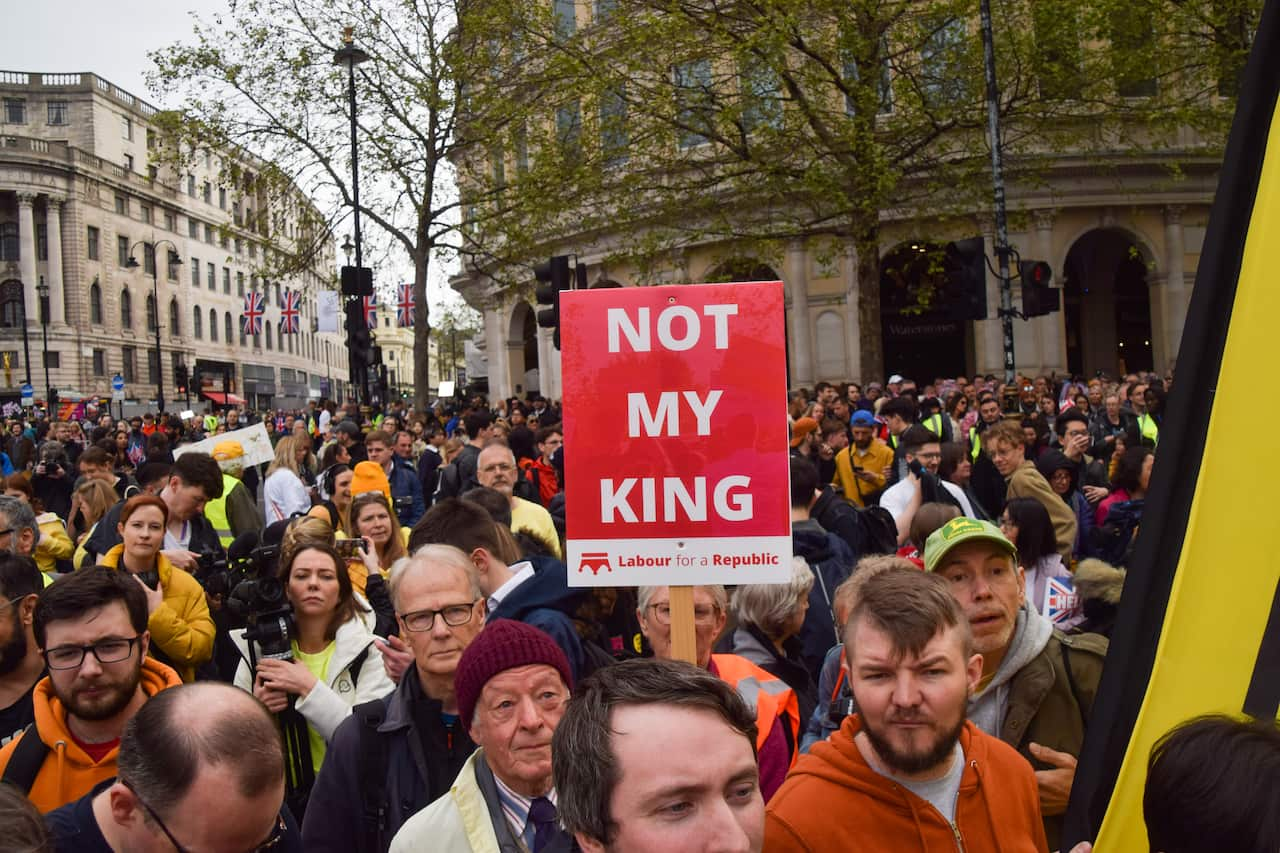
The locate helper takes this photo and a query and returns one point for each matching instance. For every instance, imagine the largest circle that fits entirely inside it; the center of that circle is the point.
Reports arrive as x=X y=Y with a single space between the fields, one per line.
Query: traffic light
x=966 y=270
x=180 y=378
x=1038 y=298
x=552 y=277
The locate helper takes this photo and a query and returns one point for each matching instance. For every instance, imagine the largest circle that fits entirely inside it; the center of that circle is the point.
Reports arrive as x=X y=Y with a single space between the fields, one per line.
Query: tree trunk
x=870 y=338
x=421 y=333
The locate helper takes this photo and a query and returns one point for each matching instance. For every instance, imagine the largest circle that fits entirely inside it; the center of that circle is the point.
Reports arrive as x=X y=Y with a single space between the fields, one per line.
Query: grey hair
x=21 y=517
x=583 y=763
x=429 y=557
x=769 y=606
x=645 y=593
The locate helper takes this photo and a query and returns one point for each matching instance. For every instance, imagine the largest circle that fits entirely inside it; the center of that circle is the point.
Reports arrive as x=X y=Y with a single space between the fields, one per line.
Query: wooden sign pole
x=684 y=640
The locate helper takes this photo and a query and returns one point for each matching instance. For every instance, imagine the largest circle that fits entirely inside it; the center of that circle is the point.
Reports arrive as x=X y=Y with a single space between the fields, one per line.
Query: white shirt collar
x=523 y=571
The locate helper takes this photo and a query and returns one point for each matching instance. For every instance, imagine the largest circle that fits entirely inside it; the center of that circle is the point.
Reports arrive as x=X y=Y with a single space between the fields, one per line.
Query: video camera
x=246 y=582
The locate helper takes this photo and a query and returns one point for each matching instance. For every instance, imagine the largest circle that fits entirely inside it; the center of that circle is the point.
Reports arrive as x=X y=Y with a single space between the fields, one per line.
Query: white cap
x=896 y=379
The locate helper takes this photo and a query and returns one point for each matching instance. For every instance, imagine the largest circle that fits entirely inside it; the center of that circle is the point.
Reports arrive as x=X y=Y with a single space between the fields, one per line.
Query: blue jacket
x=405 y=484
x=416 y=775
x=834 y=704
x=546 y=602
x=831 y=560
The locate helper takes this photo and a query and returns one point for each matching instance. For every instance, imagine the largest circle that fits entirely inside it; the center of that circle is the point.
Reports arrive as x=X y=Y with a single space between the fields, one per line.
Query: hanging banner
x=327 y=311
x=676 y=442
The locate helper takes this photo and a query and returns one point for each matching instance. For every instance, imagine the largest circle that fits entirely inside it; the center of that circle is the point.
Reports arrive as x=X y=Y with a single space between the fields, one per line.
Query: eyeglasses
x=453 y=616
x=106 y=651
x=937 y=455
x=273 y=840
x=702 y=615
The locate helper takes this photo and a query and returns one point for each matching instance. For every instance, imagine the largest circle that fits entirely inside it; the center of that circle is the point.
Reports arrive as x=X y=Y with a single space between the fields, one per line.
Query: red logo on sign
x=595 y=561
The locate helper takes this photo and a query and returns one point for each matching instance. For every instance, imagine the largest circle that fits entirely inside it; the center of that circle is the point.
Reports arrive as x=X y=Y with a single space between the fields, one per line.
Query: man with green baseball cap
x=1037 y=684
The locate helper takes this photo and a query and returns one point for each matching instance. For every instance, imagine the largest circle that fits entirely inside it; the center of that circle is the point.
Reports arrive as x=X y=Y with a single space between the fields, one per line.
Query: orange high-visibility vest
x=766 y=695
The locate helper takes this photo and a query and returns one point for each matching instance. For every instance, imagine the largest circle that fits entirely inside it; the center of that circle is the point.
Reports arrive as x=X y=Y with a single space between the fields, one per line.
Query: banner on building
x=677 y=446
x=327 y=311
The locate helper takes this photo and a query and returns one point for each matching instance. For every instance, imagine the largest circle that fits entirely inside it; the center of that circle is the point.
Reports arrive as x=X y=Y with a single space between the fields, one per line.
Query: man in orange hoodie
x=908 y=772
x=91 y=627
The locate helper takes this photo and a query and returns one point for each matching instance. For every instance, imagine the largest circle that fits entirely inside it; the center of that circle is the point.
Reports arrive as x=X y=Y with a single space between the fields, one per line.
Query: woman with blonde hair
x=284 y=495
x=92 y=499
x=769 y=620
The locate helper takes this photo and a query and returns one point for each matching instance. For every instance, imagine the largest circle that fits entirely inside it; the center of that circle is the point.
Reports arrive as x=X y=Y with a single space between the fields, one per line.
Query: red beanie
x=502 y=645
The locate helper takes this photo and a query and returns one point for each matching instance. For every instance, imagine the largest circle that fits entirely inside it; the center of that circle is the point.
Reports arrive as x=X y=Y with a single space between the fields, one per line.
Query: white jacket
x=283 y=494
x=330 y=701
x=457 y=822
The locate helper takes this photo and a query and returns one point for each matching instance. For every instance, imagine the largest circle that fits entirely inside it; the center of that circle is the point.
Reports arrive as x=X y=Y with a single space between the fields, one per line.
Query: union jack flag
x=1061 y=603
x=405 y=306
x=290 y=312
x=254 y=311
x=370 y=306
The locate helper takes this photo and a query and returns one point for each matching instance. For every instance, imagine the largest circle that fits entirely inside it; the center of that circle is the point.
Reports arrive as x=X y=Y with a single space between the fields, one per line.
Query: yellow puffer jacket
x=54 y=542
x=181 y=626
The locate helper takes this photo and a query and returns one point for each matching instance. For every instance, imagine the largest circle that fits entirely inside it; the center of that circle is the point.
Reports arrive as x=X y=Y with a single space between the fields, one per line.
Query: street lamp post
x=42 y=290
x=351 y=56
x=173 y=260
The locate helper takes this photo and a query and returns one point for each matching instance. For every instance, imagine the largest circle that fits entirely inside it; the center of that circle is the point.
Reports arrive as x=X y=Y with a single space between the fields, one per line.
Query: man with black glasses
x=393 y=756
x=189 y=742
x=91 y=627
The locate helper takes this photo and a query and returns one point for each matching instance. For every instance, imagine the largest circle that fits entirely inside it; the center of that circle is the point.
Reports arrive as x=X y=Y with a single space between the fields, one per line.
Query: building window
x=566 y=17
x=239 y=246
x=206 y=192
x=171 y=265
x=222 y=197
x=175 y=322
x=129 y=368
x=15 y=111
x=942 y=56
x=59 y=112
x=1132 y=29
x=53 y=359
x=91 y=243
x=149 y=258
x=153 y=367
x=253 y=250
x=191 y=188
x=197 y=322
x=213 y=325
x=9 y=242
x=208 y=233
x=193 y=228
x=153 y=172
x=11 y=304
x=126 y=310
x=128 y=162
x=269 y=335
x=761 y=97
x=195 y=272
x=99 y=362
x=242 y=337
x=569 y=129
x=226 y=280
x=122 y=250
x=211 y=276
x=152 y=320
x=226 y=327
x=126 y=127
x=694 y=101
x=42 y=242
x=239 y=284
x=95 y=304
x=145 y=211
x=170 y=221
x=614 y=137
x=122 y=205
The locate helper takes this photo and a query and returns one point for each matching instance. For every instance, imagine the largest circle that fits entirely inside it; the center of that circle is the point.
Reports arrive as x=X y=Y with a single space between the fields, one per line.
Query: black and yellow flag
x=1199 y=624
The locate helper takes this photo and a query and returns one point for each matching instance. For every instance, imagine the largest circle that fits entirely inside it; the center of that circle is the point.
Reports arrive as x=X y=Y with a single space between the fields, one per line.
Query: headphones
x=329 y=478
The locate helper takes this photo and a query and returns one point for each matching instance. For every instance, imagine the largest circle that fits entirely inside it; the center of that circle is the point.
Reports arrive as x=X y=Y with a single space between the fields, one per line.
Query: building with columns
x=81 y=194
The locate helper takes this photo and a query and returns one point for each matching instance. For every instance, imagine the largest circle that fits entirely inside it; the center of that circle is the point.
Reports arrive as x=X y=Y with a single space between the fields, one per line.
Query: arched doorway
x=741 y=269
x=1107 y=303
x=522 y=348
x=922 y=339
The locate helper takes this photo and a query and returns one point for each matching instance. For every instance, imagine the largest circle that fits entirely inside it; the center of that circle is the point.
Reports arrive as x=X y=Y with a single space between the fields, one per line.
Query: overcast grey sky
x=109 y=38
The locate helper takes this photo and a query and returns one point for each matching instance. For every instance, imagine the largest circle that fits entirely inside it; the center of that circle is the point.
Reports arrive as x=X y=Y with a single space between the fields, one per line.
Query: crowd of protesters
x=414 y=672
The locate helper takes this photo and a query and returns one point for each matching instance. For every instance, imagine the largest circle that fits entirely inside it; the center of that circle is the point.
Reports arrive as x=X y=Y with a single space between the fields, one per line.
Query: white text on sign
x=673 y=337
x=615 y=499
x=665 y=418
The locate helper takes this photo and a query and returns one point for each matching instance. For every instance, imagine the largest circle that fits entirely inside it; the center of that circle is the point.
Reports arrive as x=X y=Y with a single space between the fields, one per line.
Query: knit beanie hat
x=502 y=645
x=369 y=477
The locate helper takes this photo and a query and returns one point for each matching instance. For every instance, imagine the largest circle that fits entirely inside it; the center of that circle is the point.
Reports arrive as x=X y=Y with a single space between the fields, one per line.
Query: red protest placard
x=676 y=444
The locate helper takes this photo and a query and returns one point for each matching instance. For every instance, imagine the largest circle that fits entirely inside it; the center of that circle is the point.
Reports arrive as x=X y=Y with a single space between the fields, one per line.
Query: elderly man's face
x=516 y=716
x=496 y=469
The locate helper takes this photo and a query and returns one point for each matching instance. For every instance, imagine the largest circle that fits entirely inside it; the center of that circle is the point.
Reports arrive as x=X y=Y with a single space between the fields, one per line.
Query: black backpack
x=27 y=759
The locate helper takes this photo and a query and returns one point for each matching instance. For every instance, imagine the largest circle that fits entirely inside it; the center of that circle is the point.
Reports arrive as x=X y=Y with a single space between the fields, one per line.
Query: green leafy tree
x=643 y=127
x=261 y=78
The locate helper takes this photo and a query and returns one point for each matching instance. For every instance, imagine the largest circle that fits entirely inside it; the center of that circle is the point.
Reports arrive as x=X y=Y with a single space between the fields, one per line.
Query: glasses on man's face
x=702 y=614
x=106 y=651
x=929 y=457
x=272 y=841
x=453 y=616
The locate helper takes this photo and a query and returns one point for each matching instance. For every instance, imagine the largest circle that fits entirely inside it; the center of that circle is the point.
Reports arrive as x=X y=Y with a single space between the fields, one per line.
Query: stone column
x=53 y=220
x=988 y=338
x=797 y=280
x=852 y=322
x=496 y=346
x=27 y=255
x=1050 y=328
x=1174 y=303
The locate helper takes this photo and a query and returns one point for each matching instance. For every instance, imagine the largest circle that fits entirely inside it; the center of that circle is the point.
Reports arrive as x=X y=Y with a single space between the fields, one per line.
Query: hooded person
x=1064 y=478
